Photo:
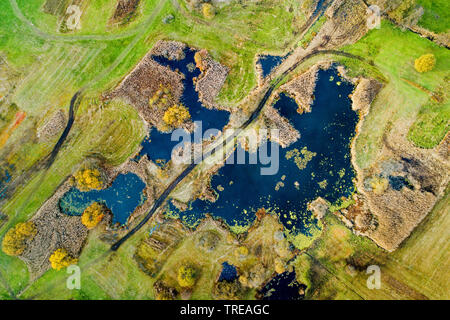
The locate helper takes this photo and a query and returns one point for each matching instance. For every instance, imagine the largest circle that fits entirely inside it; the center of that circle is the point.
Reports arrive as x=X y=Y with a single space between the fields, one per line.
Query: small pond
x=283 y=286
x=122 y=198
x=269 y=62
x=229 y=272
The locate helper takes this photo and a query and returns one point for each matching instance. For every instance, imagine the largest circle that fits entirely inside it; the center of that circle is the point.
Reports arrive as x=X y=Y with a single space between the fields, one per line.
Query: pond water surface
x=283 y=286
x=326 y=133
x=122 y=198
x=158 y=145
x=229 y=272
x=269 y=62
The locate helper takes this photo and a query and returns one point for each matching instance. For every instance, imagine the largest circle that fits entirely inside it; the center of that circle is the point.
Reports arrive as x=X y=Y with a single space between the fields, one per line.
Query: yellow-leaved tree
x=186 y=276
x=92 y=215
x=208 y=10
x=425 y=63
x=176 y=115
x=199 y=58
x=14 y=242
x=88 y=179
x=61 y=259
x=241 y=252
x=279 y=266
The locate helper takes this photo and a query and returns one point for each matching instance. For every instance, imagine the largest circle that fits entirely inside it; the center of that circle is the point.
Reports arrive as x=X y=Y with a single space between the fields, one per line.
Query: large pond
x=317 y=165
x=158 y=145
x=122 y=198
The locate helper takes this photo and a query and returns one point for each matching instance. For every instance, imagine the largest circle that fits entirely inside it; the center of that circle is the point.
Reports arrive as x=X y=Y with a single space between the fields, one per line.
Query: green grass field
x=431 y=125
x=436 y=16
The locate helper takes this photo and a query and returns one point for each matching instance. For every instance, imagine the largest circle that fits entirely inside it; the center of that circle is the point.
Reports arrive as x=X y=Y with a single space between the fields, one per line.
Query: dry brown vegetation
x=54 y=230
x=142 y=84
x=256 y=255
x=125 y=10
x=302 y=87
x=398 y=207
x=211 y=80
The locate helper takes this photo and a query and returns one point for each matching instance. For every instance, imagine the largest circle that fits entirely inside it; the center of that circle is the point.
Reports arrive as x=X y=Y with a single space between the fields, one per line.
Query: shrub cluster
x=14 y=242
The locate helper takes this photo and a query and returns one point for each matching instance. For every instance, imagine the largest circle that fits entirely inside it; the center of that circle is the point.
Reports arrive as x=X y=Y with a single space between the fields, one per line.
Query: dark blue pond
x=122 y=198
x=159 y=145
x=229 y=272
x=326 y=131
x=283 y=286
x=269 y=62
